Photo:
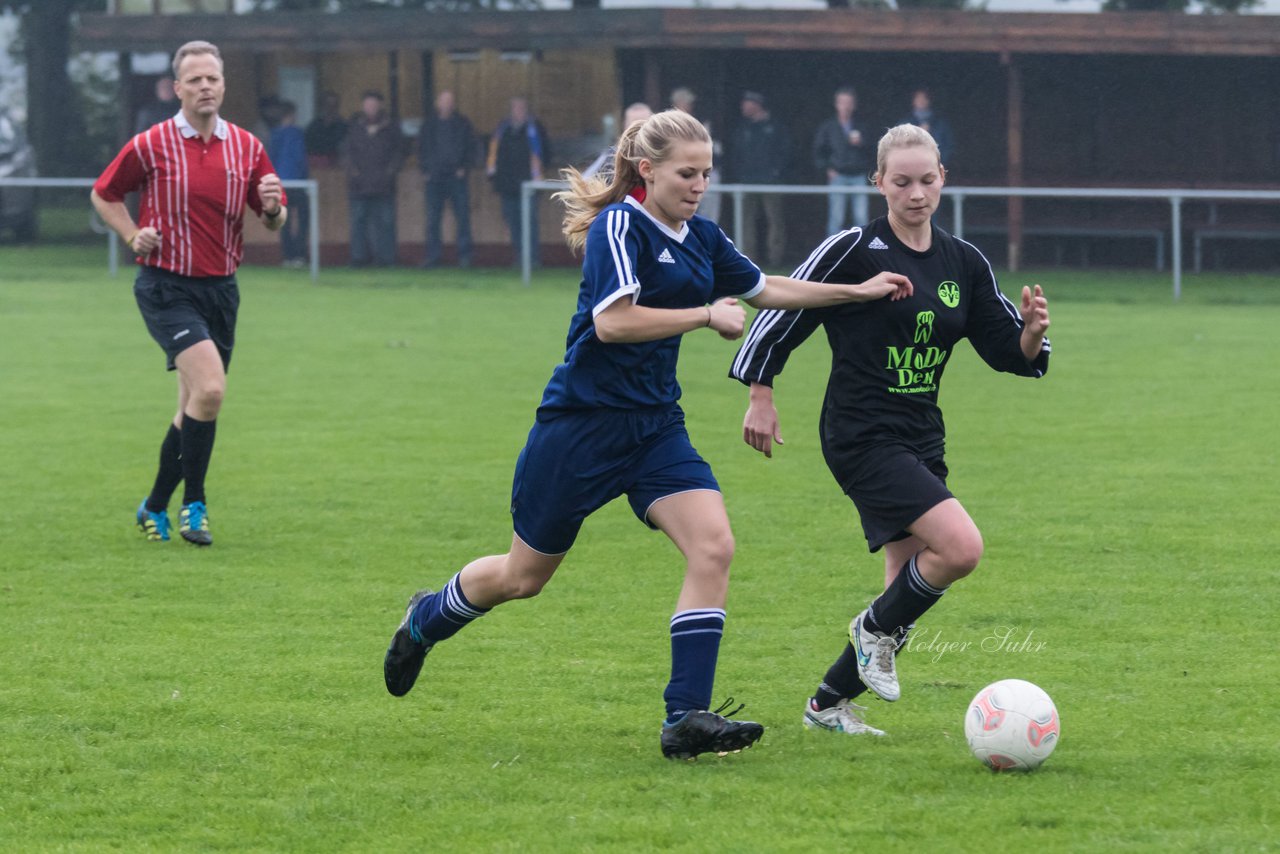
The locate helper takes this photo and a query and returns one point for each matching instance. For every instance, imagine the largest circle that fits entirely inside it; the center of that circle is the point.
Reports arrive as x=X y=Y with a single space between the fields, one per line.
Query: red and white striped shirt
x=193 y=192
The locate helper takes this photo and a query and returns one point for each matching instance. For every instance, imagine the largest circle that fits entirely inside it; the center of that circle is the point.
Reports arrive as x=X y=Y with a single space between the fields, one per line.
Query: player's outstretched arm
x=760 y=427
x=1035 y=319
x=786 y=293
x=624 y=322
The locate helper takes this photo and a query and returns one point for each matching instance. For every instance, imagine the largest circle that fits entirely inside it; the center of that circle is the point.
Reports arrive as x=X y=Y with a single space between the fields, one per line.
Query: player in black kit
x=882 y=430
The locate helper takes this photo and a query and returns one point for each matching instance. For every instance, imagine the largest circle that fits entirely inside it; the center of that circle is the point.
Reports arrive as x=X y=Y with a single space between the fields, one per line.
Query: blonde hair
x=651 y=139
x=191 y=49
x=904 y=136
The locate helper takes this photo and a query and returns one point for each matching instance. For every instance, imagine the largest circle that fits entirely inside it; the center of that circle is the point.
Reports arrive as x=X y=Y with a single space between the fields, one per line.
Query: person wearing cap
x=758 y=152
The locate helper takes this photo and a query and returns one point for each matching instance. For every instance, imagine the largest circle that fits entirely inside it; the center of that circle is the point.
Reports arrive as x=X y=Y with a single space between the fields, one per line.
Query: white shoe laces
x=885 y=649
x=852 y=709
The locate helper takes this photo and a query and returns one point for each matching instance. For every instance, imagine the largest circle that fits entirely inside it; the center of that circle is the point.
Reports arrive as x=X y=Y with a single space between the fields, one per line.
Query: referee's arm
x=117 y=217
x=271 y=196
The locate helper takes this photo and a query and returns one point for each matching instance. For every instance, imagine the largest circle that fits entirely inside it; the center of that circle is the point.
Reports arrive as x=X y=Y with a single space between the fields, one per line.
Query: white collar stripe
x=677 y=236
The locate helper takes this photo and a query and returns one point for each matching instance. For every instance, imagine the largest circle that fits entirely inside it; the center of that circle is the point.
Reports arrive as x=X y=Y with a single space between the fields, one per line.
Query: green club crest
x=949 y=293
x=924 y=327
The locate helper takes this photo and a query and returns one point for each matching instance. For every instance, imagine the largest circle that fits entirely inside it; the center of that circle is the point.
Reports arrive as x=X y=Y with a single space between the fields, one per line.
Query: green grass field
x=155 y=697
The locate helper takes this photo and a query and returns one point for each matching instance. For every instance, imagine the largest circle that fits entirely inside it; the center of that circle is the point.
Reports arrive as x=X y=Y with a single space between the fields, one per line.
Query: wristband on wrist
x=129 y=242
x=708 y=317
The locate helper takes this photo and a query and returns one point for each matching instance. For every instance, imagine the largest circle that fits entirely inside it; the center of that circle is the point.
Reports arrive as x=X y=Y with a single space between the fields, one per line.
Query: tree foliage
x=56 y=131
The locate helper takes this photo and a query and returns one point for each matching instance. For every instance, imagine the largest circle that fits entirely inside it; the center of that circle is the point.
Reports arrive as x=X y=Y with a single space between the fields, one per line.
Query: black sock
x=903 y=602
x=841 y=681
x=197 y=448
x=169 y=473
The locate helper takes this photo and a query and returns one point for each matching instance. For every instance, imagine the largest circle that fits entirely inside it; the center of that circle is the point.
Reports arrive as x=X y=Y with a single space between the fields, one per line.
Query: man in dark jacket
x=923 y=114
x=373 y=151
x=843 y=152
x=518 y=150
x=757 y=153
x=444 y=156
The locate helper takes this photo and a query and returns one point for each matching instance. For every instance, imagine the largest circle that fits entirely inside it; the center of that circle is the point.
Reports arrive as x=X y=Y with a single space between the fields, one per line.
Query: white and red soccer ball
x=1012 y=725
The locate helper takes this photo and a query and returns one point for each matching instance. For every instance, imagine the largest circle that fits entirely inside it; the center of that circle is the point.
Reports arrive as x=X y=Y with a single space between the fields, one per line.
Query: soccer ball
x=1012 y=725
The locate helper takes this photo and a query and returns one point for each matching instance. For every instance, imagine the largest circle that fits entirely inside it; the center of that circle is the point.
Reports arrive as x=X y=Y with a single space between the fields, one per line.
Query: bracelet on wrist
x=708 y=317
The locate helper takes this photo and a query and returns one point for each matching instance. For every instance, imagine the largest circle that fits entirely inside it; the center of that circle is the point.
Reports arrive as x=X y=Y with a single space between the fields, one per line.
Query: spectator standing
x=373 y=152
x=683 y=99
x=160 y=108
x=188 y=246
x=842 y=151
x=445 y=146
x=288 y=152
x=602 y=166
x=759 y=150
x=924 y=117
x=325 y=133
x=269 y=110
x=518 y=150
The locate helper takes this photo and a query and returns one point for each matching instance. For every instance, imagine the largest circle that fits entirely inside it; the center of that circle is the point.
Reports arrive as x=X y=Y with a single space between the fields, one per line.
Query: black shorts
x=892 y=487
x=182 y=310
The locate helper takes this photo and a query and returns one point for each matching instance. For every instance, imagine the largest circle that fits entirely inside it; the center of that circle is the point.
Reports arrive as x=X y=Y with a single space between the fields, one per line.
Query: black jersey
x=887 y=358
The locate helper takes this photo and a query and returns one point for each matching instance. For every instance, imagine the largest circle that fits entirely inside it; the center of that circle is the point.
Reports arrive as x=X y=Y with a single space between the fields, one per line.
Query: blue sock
x=443 y=614
x=695 y=645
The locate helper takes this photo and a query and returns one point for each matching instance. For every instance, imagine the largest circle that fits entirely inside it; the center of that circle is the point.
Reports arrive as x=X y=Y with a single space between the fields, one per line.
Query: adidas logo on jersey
x=877 y=243
x=665 y=257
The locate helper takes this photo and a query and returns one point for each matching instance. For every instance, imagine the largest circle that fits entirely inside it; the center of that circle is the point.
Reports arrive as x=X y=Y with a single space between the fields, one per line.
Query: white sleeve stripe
x=769 y=353
x=766 y=320
x=760 y=327
x=616 y=234
x=613 y=297
x=754 y=290
x=619 y=222
x=1004 y=300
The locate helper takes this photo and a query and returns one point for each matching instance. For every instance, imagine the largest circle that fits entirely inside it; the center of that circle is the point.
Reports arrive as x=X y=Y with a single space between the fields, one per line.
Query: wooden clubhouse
x=1109 y=99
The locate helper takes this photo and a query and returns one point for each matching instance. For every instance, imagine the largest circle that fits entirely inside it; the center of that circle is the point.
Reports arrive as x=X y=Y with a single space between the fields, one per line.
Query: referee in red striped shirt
x=195 y=173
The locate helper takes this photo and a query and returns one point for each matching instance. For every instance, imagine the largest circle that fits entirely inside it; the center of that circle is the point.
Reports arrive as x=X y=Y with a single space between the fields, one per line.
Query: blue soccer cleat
x=154 y=525
x=195 y=524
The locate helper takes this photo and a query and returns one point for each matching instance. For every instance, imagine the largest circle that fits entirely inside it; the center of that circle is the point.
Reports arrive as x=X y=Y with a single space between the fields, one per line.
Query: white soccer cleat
x=845 y=716
x=875 y=659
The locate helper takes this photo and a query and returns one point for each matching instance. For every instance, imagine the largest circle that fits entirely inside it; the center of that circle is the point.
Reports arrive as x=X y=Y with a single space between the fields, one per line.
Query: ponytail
x=649 y=139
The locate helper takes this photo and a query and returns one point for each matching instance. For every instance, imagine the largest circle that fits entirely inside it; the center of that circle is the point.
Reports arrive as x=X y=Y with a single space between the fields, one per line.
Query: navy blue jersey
x=630 y=255
x=888 y=357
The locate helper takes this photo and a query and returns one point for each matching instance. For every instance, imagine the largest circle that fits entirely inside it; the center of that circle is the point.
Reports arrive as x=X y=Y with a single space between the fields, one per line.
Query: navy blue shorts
x=181 y=310
x=893 y=487
x=573 y=464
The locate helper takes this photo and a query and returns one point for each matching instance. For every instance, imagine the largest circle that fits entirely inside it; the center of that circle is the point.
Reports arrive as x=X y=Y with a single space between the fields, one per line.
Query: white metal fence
x=311 y=188
x=1172 y=248
x=958 y=196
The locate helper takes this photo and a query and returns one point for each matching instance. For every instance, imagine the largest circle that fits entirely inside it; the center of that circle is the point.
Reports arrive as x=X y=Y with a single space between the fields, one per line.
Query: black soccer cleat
x=405 y=655
x=709 y=732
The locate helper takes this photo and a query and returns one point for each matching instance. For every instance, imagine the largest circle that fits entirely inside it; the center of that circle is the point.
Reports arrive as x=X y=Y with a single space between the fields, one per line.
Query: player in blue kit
x=609 y=423
x=882 y=430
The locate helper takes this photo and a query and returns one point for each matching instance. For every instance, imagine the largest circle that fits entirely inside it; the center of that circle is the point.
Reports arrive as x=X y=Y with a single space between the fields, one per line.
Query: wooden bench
x=1128 y=231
